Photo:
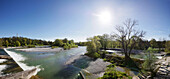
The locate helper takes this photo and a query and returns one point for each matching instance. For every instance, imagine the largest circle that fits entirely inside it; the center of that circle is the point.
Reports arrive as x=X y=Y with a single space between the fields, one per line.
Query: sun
x=104 y=17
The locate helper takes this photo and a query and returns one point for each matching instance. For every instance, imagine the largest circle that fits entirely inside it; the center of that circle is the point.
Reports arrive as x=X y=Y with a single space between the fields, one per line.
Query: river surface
x=52 y=64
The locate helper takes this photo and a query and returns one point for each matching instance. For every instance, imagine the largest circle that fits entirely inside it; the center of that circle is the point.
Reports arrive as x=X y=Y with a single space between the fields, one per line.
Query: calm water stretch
x=52 y=64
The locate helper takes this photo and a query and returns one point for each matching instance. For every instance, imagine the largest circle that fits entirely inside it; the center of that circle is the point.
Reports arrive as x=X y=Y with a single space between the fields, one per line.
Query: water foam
x=2 y=67
x=18 y=58
x=2 y=60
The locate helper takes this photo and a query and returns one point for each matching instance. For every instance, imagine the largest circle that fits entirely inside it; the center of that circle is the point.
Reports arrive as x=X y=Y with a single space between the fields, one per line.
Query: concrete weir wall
x=28 y=70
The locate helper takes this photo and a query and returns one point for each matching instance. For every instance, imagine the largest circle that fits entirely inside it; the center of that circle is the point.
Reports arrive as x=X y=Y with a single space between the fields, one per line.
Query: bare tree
x=127 y=35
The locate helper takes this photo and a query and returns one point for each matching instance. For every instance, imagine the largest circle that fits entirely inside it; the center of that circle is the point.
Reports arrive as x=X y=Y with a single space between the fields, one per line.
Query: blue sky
x=79 y=19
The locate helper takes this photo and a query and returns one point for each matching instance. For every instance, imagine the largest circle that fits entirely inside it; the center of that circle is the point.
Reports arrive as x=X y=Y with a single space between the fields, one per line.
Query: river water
x=52 y=64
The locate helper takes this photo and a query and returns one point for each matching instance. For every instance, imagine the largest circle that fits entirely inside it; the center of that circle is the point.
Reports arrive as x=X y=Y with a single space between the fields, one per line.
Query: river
x=52 y=64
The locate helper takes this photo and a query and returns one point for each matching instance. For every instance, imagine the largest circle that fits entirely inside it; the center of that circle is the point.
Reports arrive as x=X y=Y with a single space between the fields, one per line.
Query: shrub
x=149 y=63
x=96 y=55
x=65 y=47
x=112 y=73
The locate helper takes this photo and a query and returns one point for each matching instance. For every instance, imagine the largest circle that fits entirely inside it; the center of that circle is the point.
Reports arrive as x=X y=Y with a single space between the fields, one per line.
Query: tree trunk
x=126 y=58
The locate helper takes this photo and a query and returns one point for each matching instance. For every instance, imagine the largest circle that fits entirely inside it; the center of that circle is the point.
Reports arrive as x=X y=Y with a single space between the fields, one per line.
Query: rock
x=5 y=57
x=20 y=75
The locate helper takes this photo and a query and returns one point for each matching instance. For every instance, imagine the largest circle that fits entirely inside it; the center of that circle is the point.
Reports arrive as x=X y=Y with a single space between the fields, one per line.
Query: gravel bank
x=41 y=49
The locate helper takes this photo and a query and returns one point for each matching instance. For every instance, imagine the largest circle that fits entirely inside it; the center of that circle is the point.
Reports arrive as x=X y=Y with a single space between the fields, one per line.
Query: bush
x=96 y=55
x=119 y=61
x=150 y=49
x=112 y=73
x=65 y=47
x=149 y=64
x=93 y=55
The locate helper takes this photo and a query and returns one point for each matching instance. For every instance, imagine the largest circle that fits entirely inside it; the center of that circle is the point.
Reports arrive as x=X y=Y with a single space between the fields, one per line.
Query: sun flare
x=104 y=17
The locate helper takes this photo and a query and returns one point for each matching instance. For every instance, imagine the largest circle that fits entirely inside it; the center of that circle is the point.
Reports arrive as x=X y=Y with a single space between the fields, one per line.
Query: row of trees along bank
x=126 y=37
x=22 y=41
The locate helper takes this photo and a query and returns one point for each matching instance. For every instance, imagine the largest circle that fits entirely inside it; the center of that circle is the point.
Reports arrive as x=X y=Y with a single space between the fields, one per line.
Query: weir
x=17 y=58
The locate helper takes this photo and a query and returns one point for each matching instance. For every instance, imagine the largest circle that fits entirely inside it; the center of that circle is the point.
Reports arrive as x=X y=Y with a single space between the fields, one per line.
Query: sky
x=80 y=19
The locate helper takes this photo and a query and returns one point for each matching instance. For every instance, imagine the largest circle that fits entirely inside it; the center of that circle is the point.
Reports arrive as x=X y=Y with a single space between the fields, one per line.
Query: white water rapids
x=18 y=58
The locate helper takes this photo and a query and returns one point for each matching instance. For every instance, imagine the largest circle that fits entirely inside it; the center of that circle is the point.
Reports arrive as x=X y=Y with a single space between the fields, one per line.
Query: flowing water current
x=51 y=64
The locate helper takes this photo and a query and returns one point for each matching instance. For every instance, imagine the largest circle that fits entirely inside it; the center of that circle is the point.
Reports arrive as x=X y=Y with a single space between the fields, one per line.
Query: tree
x=127 y=35
x=150 y=60
x=30 y=42
x=6 y=43
x=167 y=47
x=104 y=40
x=153 y=43
x=65 y=40
x=1 y=42
x=58 y=42
x=71 y=42
x=93 y=47
x=18 y=43
x=24 y=42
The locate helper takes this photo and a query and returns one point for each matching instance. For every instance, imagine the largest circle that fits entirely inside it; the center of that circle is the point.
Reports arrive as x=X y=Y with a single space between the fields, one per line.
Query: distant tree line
x=22 y=41
x=81 y=43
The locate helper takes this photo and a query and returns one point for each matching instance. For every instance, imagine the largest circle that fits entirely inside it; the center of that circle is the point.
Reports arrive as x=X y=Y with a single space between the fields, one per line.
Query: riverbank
x=51 y=63
x=33 y=70
x=40 y=49
x=7 y=64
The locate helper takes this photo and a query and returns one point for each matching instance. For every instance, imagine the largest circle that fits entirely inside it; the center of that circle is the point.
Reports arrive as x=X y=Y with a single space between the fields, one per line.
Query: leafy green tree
x=81 y=43
x=65 y=46
x=93 y=47
x=30 y=42
x=167 y=47
x=18 y=43
x=71 y=42
x=150 y=60
x=10 y=41
x=153 y=43
x=105 y=40
x=24 y=42
x=65 y=40
x=34 y=42
x=6 y=43
x=1 y=42
x=58 y=42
